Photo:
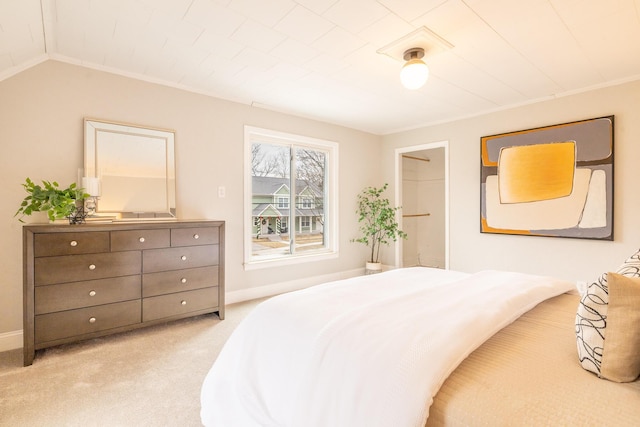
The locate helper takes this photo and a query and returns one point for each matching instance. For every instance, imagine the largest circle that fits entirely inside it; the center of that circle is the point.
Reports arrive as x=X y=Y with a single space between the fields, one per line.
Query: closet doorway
x=422 y=189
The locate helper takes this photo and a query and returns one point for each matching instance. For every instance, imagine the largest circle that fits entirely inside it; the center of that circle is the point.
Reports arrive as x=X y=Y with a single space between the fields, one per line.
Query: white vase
x=38 y=217
x=372 y=267
x=59 y=221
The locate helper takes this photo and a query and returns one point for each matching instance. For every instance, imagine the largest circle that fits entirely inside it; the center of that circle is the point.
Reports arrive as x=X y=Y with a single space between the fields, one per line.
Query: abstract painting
x=551 y=181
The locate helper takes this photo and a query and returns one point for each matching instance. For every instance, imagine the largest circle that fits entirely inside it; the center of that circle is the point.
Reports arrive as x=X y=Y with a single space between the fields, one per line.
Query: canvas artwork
x=550 y=181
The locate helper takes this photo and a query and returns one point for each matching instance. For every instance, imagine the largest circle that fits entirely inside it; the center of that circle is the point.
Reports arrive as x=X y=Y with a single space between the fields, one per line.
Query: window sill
x=257 y=264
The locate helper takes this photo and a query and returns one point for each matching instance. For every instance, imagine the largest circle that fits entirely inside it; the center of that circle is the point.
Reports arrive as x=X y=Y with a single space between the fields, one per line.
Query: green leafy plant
x=377 y=220
x=49 y=197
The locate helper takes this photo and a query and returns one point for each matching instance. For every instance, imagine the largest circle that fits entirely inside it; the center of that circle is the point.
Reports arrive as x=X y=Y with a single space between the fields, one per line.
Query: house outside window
x=278 y=231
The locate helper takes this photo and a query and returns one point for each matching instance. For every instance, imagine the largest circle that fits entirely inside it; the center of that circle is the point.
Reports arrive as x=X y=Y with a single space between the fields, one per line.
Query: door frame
x=398 y=194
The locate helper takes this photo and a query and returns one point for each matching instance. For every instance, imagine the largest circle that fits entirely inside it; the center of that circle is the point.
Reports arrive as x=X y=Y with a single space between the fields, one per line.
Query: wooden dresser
x=90 y=280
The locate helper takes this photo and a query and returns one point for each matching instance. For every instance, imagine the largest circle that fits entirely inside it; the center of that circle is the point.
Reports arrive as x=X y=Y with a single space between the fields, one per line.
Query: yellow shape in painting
x=532 y=173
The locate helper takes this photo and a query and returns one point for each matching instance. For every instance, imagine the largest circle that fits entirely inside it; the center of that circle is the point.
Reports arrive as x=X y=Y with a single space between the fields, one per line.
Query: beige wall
x=41 y=132
x=41 y=113
x=573 y=259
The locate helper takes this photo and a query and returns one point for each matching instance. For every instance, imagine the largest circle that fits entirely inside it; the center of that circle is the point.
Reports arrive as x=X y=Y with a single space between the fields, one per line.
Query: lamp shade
x=414 y=74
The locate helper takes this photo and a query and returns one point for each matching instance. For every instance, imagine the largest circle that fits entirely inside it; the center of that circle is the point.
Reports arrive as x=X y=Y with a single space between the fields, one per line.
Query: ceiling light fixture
x=414 y=73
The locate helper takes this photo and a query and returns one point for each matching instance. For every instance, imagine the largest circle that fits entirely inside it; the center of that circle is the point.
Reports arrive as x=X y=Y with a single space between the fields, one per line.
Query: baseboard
x=292 y=285
x=10 y=340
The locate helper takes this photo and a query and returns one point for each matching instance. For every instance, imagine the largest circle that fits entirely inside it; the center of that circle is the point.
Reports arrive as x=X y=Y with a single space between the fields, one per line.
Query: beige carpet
x=148 y=377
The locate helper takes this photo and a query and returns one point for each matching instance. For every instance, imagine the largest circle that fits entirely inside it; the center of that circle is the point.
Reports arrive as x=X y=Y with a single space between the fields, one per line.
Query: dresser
x=90 y=280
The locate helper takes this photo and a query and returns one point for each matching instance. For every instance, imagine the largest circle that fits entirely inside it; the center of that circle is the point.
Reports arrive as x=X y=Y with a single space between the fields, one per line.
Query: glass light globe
x=414 y=74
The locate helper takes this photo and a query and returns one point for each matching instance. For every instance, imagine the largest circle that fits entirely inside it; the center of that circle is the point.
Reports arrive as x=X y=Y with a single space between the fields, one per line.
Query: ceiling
x=322 y=59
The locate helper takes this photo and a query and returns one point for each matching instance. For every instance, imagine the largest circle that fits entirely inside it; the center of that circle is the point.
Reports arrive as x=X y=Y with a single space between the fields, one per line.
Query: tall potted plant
x=378 y=224
x=57 y=202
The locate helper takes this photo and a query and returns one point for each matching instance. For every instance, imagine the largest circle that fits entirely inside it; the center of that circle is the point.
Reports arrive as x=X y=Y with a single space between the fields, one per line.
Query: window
x=283 y=202
x=306 y=203
x=279 y=168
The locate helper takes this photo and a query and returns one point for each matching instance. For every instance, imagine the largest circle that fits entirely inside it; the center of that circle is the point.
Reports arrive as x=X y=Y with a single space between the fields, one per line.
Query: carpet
x=146 y=377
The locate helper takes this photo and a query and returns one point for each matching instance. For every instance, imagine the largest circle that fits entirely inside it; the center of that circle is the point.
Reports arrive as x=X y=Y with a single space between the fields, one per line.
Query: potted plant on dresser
x=58 y=203
x=378 y=224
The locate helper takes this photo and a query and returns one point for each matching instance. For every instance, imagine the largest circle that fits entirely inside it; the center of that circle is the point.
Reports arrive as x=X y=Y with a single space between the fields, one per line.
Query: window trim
x=256 y=134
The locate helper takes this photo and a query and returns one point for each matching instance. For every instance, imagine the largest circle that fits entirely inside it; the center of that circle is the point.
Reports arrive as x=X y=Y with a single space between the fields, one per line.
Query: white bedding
x=368 y=351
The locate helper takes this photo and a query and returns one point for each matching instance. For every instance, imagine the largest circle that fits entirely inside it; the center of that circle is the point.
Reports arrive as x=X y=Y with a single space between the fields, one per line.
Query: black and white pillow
x=591 y=319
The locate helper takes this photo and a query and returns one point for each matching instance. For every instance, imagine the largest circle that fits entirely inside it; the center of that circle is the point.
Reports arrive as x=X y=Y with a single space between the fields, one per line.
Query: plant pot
x=37 y=218
x=59 y=221
x=373 y=267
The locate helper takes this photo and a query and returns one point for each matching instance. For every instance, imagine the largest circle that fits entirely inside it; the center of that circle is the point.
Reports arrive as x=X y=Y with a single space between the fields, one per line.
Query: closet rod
x=416 y=158
x=415 y=215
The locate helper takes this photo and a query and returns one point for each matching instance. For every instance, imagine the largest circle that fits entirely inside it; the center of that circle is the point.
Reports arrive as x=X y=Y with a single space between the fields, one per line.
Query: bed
x=528 y=374
x=414 y=347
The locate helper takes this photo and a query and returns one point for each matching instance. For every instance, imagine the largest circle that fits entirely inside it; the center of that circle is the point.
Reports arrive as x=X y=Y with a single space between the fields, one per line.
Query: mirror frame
x=92 y=127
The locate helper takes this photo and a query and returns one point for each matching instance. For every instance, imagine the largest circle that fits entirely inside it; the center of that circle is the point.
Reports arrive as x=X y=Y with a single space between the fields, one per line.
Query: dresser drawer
x=73 y=268
x=65 y=324
x=139 y=239
x=178 y=258
x=166 y=282
x=179 y=303
x=68 y=296
x=52 y=244
x=195 y=236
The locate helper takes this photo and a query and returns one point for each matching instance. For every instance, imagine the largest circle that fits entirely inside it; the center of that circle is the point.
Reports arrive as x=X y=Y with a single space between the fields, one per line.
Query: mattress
x=529 y=374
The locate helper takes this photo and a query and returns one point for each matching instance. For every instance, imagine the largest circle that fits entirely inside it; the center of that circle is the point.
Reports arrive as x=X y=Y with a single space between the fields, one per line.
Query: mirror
x=135 y=167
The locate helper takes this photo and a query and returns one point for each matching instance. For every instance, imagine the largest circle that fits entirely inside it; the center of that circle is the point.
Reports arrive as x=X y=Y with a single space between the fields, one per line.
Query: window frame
x=254 y=134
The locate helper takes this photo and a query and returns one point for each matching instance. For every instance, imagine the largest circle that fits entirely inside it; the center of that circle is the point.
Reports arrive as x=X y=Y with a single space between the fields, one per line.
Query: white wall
x=41 y=132
x=573 y=259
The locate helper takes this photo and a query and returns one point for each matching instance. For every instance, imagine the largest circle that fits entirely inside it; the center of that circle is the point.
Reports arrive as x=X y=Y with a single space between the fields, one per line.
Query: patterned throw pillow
x=591 y=319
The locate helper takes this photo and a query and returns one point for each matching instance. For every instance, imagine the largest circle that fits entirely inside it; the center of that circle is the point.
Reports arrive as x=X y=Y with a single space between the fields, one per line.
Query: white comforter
x=368 y=351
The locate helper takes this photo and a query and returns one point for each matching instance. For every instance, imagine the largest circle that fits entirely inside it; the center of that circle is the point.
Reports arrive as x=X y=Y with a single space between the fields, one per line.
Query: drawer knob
x=92 y=267
x=92 y=320
x=196 y=236
x=73 y=243
x=183 y=257
x=183 y=302
x=141 y=240
x=183 y=280
x=92 y=293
